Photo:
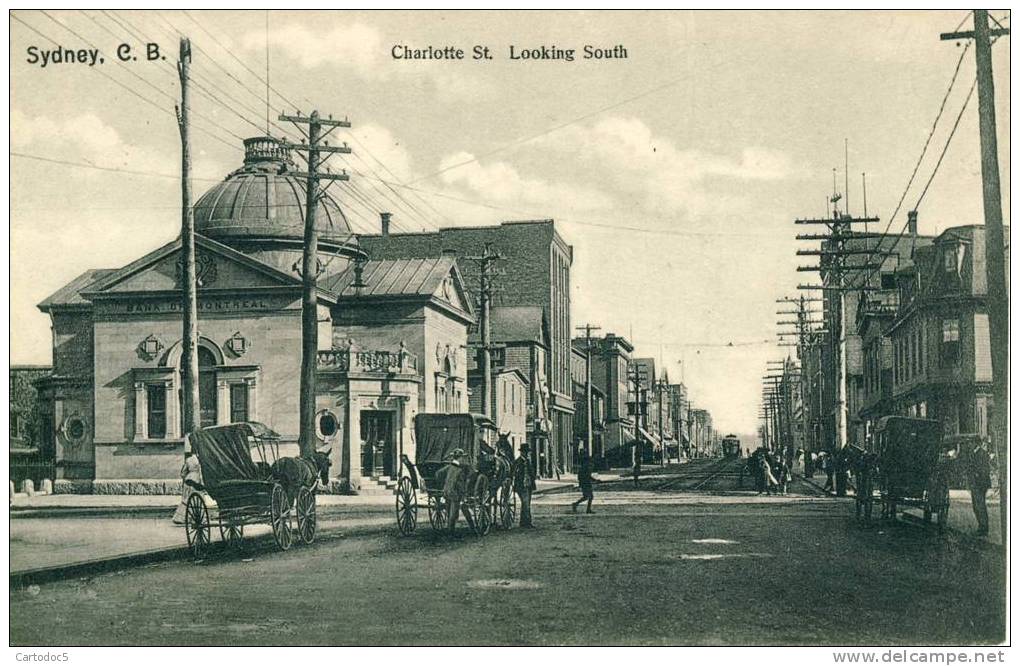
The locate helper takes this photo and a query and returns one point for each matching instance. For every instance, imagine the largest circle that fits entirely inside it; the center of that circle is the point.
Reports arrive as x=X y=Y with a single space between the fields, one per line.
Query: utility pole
x=310 y=266
x=835 y=268
x=589 y=425
x=489 y=256
x=486 y=290
x=660 y=387
x=637 y=376
x=189 y=281
x=998 y=296
x=803 y=324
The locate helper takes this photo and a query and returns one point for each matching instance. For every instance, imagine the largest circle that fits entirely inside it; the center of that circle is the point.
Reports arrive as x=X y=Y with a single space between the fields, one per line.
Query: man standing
x=584 y=479
x=979 y=480
x=524 y=483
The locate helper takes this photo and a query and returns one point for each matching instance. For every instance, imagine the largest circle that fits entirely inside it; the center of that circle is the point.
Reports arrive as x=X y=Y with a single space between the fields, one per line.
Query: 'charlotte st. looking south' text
x=513 y=52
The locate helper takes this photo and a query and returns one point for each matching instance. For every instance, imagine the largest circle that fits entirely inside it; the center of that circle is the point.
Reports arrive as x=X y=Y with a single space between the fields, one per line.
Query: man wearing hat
x=524 y=483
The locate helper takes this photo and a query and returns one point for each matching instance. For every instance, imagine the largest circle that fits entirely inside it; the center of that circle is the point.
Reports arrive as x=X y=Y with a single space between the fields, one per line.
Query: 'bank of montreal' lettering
x=60 y=56
x=174 y=306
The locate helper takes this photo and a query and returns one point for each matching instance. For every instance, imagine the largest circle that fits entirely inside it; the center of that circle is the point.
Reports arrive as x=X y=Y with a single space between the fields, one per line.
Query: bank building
x=392 y=342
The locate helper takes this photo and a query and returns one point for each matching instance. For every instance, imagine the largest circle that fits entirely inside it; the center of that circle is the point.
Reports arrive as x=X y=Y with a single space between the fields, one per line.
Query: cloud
x=352 y=45
x=375 y=144
x=502 y=183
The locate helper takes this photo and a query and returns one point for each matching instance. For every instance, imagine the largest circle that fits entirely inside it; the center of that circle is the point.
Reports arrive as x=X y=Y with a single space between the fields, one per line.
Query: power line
x=119 y=83
x=409 y=207
x=917 y=165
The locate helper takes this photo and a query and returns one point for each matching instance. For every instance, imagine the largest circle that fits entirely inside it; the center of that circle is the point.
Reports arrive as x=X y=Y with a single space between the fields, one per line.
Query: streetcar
x=731 y=446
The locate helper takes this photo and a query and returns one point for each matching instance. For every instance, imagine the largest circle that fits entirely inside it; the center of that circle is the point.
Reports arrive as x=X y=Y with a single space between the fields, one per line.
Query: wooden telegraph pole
x=487 y=275
x=995 y=264
x=835 y=266
x=589 y=427
x=189 y=282
x=310 y=268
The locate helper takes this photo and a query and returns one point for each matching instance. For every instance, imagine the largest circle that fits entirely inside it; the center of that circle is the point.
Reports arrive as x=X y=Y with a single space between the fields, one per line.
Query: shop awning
x=652 y=439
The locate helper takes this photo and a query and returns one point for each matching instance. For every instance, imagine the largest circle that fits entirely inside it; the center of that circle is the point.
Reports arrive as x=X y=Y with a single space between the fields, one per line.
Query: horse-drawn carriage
x=910 y=466
x=458 y=472
x=239 y=490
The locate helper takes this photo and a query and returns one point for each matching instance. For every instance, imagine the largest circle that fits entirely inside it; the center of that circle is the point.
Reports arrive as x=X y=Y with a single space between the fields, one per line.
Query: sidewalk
x=961 y=513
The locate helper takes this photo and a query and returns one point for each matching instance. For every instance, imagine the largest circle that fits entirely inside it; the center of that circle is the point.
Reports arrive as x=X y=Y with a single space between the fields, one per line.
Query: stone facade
x=389 y=348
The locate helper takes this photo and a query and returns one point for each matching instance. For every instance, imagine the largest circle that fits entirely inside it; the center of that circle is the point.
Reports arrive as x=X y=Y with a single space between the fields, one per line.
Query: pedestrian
x=760 y=476
x=191 y=482
x=584 y=480
x=524 y=483
x=979 y=480
x=829 y=470
x=782 y=474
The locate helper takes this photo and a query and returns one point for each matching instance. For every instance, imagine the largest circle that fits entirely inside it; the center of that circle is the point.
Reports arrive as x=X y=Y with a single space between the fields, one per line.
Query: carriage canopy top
x=224 y=452
x=908 y=444
x=437 y=435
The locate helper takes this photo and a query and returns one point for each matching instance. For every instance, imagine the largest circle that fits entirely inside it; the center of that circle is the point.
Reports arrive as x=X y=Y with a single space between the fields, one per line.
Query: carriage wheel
x=232 y=534
x=507 y=505
x=481 y=509
x=279 y=514
x=306 y=520
x=407 y=507
x=196 y=526
x=437 y=513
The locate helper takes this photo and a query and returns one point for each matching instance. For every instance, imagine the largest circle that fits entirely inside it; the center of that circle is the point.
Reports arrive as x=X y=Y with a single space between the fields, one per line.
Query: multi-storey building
x=610 y=360
x=941 y=355
x=535 y=272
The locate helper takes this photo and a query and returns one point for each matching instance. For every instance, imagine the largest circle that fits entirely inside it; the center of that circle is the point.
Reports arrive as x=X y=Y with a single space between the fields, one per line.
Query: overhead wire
x=395 y=197
x=924 y=150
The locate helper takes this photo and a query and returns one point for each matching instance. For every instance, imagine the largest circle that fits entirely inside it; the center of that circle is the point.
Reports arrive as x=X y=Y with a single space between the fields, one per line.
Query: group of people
x=771 y=472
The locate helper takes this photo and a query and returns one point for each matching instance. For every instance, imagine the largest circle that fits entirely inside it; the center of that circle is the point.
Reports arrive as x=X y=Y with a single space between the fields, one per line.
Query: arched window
x=451 y=391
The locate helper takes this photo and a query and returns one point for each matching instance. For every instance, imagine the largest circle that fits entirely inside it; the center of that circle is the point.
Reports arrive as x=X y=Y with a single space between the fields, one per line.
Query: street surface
x=666 y=564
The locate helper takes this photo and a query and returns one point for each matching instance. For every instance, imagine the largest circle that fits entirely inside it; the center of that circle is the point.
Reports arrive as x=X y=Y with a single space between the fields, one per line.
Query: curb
x=19 y=579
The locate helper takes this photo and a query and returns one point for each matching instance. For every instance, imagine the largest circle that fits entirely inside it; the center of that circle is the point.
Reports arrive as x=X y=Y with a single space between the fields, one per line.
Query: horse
x=497 y=463
x=295 y=473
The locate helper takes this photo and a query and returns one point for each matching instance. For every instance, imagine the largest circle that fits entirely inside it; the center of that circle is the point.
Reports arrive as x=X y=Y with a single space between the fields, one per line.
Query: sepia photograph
x=476 y=328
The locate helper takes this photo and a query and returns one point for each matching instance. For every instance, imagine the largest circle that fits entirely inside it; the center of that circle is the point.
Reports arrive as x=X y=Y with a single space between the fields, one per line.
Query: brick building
x=31 y=451
x=610 y=361
x=522 y=338
x=535 y=273
x=578 y=374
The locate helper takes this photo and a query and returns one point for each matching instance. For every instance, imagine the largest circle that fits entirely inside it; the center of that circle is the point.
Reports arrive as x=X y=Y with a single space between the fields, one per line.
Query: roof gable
x=435 y=278
x=217 y=267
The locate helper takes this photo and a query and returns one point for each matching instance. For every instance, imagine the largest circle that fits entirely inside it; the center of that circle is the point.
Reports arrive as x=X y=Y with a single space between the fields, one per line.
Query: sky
x=675 y=173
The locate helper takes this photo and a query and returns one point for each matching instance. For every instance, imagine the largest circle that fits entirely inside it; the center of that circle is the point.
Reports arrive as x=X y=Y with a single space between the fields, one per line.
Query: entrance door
x=378 y=447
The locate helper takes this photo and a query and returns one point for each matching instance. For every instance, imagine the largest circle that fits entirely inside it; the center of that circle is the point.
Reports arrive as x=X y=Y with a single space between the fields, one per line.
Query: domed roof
x=263 y=200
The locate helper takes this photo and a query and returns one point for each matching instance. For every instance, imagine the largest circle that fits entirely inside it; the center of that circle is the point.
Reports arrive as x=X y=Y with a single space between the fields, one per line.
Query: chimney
x=912 y=230
x=385 y=219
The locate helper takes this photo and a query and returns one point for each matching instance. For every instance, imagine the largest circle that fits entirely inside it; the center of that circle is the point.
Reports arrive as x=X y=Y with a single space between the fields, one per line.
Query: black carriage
x=910 y=466
x=456 y=475
x=238 y=489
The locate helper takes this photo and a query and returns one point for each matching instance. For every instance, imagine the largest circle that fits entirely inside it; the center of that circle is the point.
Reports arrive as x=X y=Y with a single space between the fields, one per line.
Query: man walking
x=524 y=483
x=584 y=479
x=979 y=480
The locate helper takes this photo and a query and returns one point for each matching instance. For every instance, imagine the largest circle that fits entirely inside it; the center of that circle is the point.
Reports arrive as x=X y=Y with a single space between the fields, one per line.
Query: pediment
x=451 y=289
x=217 y=267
